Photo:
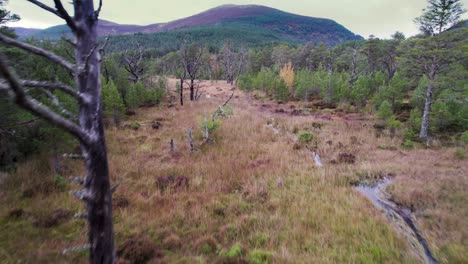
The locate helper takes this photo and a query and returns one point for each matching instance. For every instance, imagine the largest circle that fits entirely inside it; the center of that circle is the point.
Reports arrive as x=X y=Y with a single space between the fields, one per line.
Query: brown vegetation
x=251 y=187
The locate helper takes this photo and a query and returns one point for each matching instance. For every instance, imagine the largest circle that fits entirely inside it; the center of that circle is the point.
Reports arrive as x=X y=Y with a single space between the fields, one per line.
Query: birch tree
x=88 y=128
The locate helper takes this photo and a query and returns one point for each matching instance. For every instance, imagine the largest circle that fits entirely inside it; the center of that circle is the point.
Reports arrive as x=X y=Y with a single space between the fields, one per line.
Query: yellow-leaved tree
x=287 y=74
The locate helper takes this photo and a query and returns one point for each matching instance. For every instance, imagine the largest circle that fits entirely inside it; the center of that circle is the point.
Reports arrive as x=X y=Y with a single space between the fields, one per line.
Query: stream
x=400 y=217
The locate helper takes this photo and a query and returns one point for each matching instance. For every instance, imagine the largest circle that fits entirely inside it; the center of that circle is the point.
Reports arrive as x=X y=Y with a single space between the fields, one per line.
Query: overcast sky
x=364 y=17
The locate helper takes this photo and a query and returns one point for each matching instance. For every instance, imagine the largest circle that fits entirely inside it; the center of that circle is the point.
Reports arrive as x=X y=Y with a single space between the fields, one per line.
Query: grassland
x=253 y=195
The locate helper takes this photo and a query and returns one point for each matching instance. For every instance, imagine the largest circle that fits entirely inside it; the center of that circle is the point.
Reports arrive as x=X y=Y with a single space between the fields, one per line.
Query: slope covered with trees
x=263 y=25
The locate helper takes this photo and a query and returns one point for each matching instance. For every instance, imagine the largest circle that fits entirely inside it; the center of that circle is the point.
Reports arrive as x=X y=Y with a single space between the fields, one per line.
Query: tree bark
x=90 y=132
x=181 y=91
x=427 y=111
x=192 y=90
x=97 y=192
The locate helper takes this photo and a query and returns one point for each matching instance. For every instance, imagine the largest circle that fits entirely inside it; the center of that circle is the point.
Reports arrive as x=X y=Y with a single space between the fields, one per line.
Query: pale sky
x=364 y=17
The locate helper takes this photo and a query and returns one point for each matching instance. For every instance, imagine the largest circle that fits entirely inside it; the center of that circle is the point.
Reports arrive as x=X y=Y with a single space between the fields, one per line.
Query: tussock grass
x=253 y=190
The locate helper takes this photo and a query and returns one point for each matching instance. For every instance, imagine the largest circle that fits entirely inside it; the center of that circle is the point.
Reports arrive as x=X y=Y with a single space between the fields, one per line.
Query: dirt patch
x=258 y=163
x=120 y=201
x=138 y=249
x=16 y=213
x=156 y=125
x=347 y=158
x=297 y=112
x=56 y=218
x=172 y=183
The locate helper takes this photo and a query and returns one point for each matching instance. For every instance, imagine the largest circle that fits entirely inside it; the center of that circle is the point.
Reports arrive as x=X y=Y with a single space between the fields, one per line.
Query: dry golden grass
x=253 y=187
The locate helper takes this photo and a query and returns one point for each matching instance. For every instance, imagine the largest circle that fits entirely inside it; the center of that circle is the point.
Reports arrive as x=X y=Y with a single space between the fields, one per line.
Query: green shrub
x=415 y=120
x=385 y=111
x=235 y=251
x=246 y=82
x=464 y=137
x=305 y=137
x=408 y=144
x=392 y=123
x=409 y=134
x=131 y=98
x=135 y=126
x=281 y=93
x=60 y=183
x=260 y=257
x=112 y=102
x=210 y=125
x=459 y=153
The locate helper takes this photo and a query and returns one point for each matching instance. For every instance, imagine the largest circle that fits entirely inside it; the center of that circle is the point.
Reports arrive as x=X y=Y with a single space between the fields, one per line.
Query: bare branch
x=78 y=180
x=46 y=7
x=103 y=48
x=58 y=11
x=89 y=56
x=69 y=41
x=76 y=249
x=98 y=11
x=83 y=195
x=21 y=124
x=81 y=216
x=54 y=86
x=59 y=105
x=64 y=14
x=220 y=108
x=73 y=156
x=25 y=101
x=115 y=187
x=40 y=52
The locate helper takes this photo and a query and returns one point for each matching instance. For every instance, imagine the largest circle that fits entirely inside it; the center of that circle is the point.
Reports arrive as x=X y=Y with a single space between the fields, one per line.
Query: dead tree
x=89 y=130
x=181 y=75
x=132 y=62
x=193 y=61
x=233 y=62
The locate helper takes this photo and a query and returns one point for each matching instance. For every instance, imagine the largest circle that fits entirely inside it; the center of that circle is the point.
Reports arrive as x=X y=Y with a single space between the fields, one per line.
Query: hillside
x=460 y=25
x=280 y=25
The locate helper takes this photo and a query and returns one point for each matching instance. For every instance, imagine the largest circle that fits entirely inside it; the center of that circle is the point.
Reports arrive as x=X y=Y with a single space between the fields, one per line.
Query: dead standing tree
x=132 y=62
x=233 y=62
x=193 y=61
x=96 y=192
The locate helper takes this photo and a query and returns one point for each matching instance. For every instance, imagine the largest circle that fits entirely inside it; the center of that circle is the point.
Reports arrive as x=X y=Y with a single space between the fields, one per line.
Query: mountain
x=279 y=24
x=20 y=31
x=460 y=25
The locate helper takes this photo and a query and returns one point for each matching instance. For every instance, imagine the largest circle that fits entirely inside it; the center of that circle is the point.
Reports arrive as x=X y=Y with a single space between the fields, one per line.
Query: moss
x=234 y=252
x=260 y=257
x=305 y=137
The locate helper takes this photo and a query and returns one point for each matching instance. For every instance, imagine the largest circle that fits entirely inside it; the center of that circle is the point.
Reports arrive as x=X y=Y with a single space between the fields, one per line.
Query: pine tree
x=113 y=103
x=439 y=16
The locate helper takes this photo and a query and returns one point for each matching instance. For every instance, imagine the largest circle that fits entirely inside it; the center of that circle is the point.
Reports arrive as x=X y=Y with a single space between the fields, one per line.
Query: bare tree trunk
x=427 y=111
x=192 y=90
x=99 y=204
x=181 y=91
x=96 y=193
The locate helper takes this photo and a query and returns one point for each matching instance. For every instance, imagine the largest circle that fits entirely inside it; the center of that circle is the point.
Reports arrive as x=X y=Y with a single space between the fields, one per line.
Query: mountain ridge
x=297 y=27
